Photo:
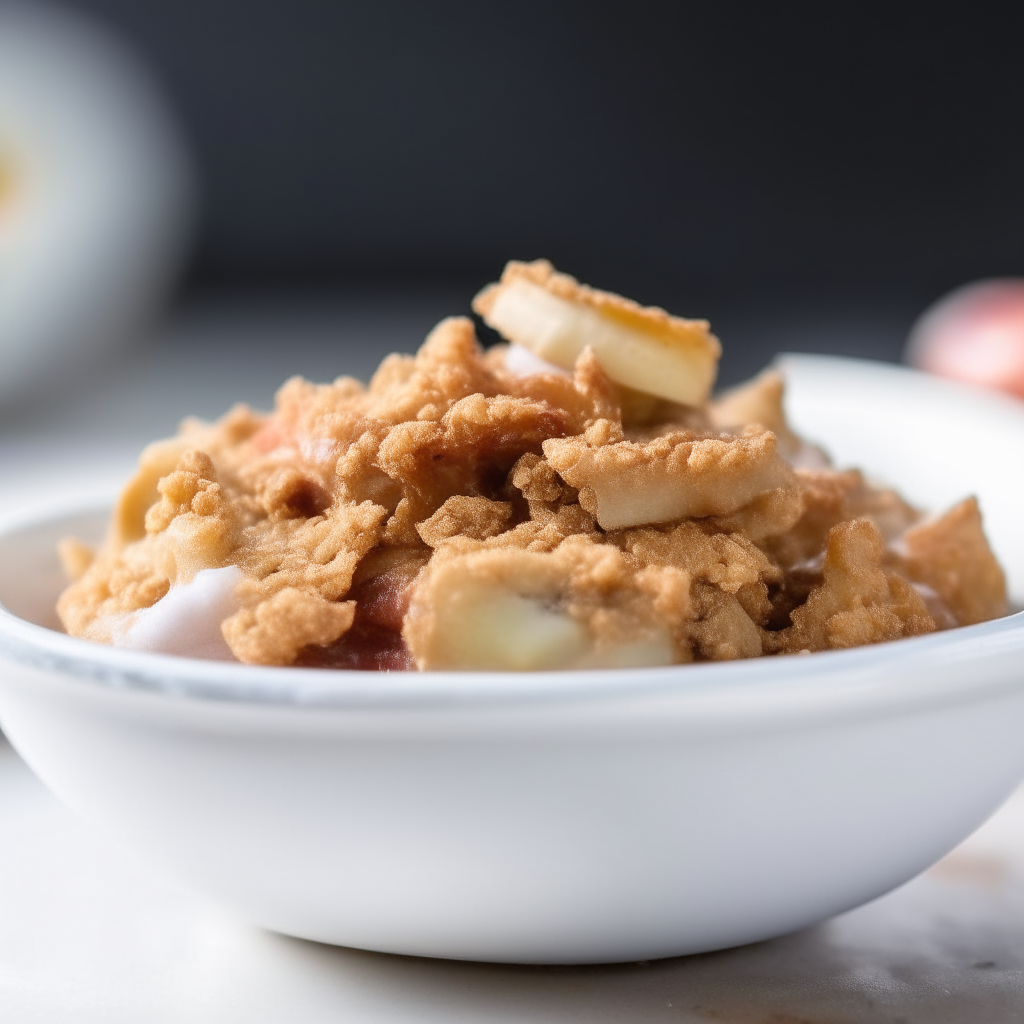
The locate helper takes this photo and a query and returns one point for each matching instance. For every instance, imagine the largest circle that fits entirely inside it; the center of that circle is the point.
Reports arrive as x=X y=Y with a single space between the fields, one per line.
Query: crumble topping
x=489 y=510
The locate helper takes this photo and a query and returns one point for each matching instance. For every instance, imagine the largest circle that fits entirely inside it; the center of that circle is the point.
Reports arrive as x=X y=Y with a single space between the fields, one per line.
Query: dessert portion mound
x=574 y=499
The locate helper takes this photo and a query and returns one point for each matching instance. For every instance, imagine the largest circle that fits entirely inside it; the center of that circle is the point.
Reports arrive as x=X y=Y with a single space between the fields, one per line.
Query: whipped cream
x=186 y=620
x=524 y=363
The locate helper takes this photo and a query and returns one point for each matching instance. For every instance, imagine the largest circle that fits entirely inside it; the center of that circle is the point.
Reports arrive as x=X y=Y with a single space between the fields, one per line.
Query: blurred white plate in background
x=96 y=195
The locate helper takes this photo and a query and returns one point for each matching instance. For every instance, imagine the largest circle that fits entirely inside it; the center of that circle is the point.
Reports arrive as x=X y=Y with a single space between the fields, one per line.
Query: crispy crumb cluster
x=458 y=513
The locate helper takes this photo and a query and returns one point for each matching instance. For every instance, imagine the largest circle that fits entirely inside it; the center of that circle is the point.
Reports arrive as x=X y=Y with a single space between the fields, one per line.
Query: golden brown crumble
x=457 y=513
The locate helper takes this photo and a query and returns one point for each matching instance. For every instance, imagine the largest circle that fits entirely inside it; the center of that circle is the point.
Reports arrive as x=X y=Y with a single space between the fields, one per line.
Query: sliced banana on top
x=641 y=347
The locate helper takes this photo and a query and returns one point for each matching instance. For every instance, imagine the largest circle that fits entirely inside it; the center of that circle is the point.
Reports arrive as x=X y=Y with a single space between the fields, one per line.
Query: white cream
x=186 y=620
x=525 y=363
x=319 y=451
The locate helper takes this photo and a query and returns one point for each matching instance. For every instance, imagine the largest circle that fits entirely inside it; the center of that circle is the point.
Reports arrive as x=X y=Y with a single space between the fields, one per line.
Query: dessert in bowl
x=593 y=813
x=573 y=500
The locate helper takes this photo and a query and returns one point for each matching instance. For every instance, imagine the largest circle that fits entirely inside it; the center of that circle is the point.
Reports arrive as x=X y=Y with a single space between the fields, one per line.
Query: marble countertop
x=89 y=934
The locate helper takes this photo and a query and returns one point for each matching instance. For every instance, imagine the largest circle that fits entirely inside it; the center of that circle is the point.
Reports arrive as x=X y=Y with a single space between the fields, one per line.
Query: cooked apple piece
x=494 y=628
x=640 y=347
x=681 y=475
x=499 y=630
x=580 y=606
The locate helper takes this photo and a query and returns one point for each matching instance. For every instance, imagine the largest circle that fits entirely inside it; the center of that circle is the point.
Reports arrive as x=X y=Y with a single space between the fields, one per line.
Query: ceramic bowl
x=554 y=817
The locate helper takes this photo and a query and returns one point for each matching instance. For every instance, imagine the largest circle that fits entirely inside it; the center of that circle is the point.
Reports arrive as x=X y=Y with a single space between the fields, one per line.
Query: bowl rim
x=914 y=672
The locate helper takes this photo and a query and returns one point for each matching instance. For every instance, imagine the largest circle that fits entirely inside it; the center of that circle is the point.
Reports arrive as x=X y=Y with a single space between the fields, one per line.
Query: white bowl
x=549 y=817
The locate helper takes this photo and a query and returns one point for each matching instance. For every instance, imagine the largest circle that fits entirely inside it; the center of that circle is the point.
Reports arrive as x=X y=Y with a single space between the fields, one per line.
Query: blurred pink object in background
x=974 y=334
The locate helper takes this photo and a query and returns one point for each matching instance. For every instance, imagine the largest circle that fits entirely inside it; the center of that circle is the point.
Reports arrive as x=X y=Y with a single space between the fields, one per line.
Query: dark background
x=725 y=160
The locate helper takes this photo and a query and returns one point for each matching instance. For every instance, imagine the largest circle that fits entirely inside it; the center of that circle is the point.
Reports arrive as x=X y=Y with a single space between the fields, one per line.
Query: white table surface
x=90 y=934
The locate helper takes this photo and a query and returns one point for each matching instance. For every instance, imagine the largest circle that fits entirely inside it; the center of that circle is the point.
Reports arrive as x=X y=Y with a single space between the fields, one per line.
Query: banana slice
x=641 y=347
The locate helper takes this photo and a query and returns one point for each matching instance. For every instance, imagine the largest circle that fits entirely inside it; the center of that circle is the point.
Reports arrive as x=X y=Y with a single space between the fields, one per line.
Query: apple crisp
x=574 y=498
